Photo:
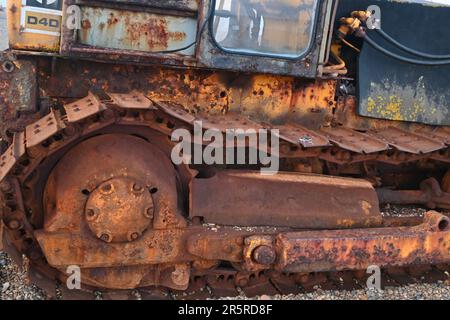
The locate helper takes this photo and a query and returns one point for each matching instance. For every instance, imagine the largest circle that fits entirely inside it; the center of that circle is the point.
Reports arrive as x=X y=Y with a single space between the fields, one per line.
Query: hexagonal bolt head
x=8 y=66
x=91 y=214
x=137 y=188
x=5 y=187
x=242 y=282
x=105 y=237
x=133 y=236
x=14 y=224
x=149 y=212
x=264 y=255
x=107 y=189
x=180 y=276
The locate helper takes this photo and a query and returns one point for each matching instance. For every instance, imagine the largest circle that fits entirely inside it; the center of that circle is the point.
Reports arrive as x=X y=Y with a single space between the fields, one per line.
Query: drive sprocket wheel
x=108 y=190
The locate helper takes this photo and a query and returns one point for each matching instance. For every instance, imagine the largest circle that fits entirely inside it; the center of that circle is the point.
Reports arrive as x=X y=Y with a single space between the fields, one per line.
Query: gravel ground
x=13 y=282
x=14 y=286
x=437 y=291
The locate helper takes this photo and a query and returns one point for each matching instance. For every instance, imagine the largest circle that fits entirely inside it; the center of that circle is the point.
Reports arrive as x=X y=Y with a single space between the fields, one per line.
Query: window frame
x=243 y=52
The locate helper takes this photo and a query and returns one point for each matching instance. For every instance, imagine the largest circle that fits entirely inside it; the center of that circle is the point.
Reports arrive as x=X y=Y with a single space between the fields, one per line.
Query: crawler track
x=22 y=170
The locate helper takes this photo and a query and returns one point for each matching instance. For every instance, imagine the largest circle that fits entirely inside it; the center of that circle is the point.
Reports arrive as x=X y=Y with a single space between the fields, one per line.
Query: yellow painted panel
x=31 y=28
x=42 y=22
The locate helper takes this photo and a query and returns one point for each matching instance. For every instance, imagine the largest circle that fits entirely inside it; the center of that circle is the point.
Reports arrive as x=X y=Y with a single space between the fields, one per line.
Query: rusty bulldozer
x=356 y=104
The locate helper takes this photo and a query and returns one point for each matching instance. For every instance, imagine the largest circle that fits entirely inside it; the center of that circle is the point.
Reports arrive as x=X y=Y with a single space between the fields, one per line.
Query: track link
x=19 y=170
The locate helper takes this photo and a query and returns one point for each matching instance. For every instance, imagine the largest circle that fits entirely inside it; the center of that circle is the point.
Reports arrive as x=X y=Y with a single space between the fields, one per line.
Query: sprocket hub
x=119 y=210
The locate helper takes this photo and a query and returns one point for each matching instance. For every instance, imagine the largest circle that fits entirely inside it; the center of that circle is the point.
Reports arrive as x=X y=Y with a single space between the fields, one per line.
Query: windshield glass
x=265 y=27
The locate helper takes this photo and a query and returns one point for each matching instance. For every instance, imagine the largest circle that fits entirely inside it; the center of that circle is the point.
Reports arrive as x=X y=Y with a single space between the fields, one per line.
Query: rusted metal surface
x=229 y=121
x=1 y=235
x=286 y=199
x=83 y=108
x=116 y=206
x=225 y=245
x=12 y=155
x=357 y=249
x=18 y=91
x=265 y=97
x=43 y=129
x=193 y=91
x=176 y=111
x=68 y=237
x=119 y=210
x=191 y=5
x=430 y=195
x=65 y=249
x=296 y=134
x=133 y=100
x=446 y=182
x=18 y=86
x=354 y=141
x=134 y=45
x=313 y=102
x=124 y=203
x=441 y=134
x=346 y=114
x=149 y=166
x=139 y=31
x=408 y=141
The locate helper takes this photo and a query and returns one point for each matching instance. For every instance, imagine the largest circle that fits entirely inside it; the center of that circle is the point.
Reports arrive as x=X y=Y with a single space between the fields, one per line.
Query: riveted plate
x=133 y=100
x=408 y=141
x=12 y=154
x=284 y=200
x=354 y=141
x=83 y=108
x=441 y=134
x=299 y=135
x=43 y=129
x=227 y=122
x=175 y=110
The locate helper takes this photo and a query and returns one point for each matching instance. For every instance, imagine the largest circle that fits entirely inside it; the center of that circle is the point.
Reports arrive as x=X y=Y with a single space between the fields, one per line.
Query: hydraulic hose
x=409 y=50
x=396 y=56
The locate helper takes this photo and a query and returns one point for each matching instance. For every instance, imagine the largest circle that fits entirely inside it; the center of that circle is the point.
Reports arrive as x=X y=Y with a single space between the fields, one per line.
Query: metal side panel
x=396 y=90
x=357 y=249
x=34 y=25
x=139 y=31
x=285 y=200
x=190 y=5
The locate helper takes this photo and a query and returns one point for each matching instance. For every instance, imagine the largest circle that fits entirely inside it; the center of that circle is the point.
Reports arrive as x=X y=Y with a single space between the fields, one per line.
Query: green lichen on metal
x=389 y=100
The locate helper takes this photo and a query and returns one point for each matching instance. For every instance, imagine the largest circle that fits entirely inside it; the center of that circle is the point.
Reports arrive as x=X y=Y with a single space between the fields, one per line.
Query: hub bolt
x=105 y=237
x=149 y=212
x=106 y=189
x=5 y=187
x=14 y=224
x=90 y=213
x=264 y=255
x=242 y=282
x=134 y=236
x=138 y=188
x=228 y=249
x=180 y=276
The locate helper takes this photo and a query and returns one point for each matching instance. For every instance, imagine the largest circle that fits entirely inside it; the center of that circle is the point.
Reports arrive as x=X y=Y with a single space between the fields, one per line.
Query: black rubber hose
x=409 y=50
x=393 y=55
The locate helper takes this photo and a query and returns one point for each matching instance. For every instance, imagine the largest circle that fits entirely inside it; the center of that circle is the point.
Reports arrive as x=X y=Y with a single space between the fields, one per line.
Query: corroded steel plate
x=83 y=108
x=284 y=200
